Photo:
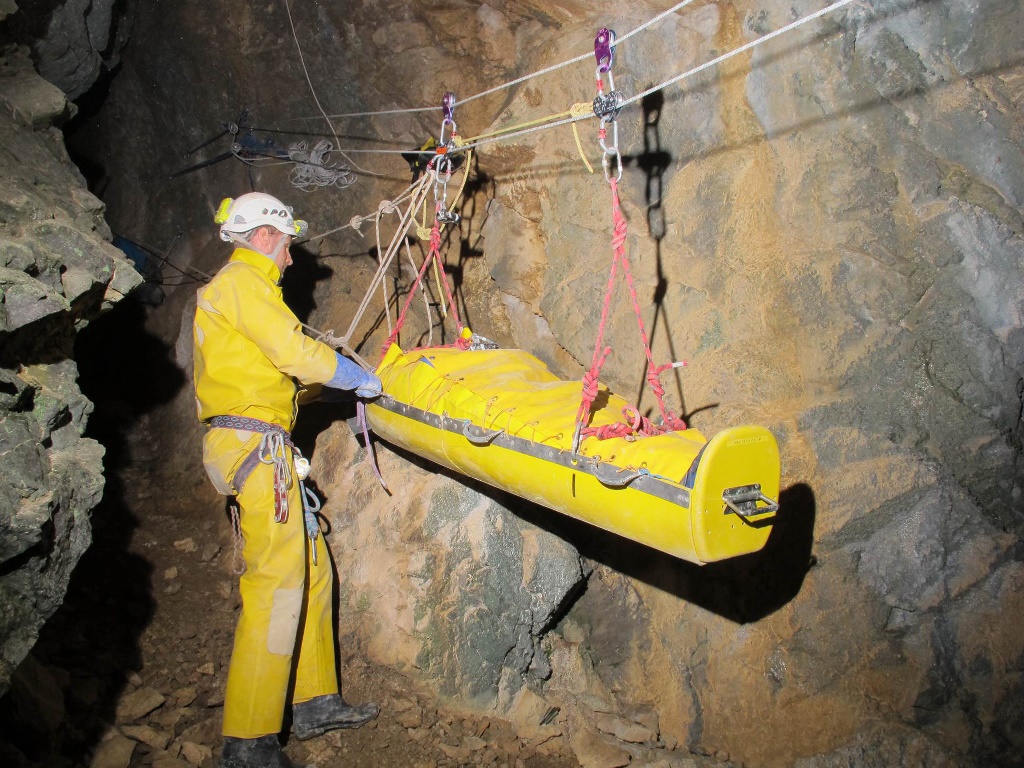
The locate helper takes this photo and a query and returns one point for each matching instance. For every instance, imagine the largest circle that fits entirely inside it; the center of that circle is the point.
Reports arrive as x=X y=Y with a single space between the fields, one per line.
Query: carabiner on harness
x=273 y=450
x=310 y=506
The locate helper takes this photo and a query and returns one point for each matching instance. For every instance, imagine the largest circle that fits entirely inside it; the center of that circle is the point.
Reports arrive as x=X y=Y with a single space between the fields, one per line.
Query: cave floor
x=141 y=645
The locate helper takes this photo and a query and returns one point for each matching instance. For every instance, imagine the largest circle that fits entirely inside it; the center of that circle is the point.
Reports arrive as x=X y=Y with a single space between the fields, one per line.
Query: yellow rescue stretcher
x=502 y=417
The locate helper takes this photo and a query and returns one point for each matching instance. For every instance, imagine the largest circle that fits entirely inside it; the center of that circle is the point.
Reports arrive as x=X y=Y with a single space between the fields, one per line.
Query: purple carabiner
x=448 y=106
x=603 y=50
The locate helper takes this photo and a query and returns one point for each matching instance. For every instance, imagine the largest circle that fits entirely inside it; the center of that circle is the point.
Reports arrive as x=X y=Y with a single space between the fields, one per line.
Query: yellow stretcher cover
x=502 y=417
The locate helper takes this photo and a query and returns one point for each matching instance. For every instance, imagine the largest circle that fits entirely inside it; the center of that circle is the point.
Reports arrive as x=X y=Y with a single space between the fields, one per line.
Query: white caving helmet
x=256 y=209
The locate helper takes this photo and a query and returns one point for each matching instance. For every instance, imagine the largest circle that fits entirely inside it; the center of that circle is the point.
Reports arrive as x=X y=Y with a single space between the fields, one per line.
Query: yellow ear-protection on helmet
x=222 y=212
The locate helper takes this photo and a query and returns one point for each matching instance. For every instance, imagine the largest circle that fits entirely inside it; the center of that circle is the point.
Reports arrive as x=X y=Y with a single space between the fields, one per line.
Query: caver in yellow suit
x=250 y=353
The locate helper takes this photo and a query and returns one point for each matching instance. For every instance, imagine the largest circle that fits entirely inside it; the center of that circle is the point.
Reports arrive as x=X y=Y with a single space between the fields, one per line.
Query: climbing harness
x=272 y=450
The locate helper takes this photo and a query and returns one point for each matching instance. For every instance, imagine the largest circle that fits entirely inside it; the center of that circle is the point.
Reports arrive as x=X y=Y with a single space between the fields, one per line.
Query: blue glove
x=372 y=388
x=348 y=375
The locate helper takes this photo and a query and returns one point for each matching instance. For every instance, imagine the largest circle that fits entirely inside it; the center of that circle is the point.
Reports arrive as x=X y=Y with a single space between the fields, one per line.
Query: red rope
x=434 y=255
x=638 y=424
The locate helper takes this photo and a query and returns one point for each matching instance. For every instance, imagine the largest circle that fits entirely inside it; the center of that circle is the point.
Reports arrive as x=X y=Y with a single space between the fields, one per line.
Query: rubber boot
x=327 y=713
x=264 y=752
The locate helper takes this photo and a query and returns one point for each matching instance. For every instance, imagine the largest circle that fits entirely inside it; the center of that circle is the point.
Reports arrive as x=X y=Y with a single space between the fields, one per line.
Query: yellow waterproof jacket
x=249 y=347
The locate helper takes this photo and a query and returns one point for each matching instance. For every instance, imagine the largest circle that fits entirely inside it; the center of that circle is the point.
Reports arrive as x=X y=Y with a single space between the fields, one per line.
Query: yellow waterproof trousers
x=286 y=600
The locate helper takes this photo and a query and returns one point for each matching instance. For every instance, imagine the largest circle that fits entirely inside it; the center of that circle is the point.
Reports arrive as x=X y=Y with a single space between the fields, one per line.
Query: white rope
x=631 y=100
x=313 y=170
x=377 y=151
x=518 y=80
x=357 y=221
x=385 y=206
x=302 y=60
x=672 y=81
x=420 y=190
x=737 y=51
x=371 y=114
x=650 y=22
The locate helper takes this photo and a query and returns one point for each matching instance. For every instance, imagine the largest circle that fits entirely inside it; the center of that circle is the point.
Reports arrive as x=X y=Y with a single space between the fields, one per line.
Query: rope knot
x=581 y=109
x=674 y=424
x=590 y=386
x=619 y=235
x=655 y=383
x=633 y=418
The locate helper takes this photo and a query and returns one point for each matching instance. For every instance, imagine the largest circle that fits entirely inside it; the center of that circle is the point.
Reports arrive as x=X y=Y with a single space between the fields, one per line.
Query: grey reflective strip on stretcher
x=608 y=474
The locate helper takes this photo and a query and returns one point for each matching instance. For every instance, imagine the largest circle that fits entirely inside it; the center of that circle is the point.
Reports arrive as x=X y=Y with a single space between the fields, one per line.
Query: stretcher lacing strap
x=361 y=413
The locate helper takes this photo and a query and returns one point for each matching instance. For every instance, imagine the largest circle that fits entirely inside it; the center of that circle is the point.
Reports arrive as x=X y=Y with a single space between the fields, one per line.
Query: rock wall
x=74 y=42
x=57 y=270
x=827 y=228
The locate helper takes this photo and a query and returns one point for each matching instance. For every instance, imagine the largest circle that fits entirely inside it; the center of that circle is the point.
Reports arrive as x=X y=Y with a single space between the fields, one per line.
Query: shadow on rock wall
x=742 y=589
x=300 y=280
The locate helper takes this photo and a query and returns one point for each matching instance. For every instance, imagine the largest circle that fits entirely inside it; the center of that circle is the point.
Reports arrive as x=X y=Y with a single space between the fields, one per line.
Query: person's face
x=284 y=258
x=268 y=239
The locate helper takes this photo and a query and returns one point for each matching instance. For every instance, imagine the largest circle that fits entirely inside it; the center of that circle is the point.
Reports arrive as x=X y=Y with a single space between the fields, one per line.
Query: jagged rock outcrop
x=57 y=269
x=457 y=557
x=73 y=41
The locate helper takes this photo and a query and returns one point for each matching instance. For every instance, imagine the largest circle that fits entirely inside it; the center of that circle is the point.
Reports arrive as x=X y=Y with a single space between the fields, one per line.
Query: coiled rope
x=313 y=170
